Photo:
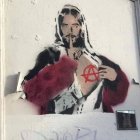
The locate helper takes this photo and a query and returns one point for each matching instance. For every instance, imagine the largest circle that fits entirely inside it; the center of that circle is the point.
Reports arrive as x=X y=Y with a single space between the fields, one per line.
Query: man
x=69 y=72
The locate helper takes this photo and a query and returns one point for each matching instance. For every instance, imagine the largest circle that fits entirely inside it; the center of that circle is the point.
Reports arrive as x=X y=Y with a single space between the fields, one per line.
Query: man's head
x=70 y=23
x=70 y=27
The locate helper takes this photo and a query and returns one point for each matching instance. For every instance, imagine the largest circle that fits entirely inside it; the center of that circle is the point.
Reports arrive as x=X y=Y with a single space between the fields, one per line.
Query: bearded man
x=69 y=72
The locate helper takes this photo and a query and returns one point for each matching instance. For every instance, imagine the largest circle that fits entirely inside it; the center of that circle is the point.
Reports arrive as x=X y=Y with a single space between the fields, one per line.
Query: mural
x=70 y=71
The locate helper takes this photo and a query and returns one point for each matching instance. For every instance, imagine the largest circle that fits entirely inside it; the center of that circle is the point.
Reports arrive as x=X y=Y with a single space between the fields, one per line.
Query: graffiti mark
x=84 y=133
x=32 y=135
x=37 y=37
x=90 y=74
x=14 y=37
x=81 y=133
x=33 y=2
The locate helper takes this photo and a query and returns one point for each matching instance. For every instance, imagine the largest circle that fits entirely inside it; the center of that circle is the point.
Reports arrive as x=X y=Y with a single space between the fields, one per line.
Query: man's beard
x=78 y=43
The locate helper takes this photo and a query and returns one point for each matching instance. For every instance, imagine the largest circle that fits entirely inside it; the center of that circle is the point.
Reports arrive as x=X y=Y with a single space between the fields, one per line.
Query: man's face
x=70 y=28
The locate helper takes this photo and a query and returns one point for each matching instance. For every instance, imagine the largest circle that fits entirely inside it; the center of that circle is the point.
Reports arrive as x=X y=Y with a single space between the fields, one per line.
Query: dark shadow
x=11 y=84
x=126 y=120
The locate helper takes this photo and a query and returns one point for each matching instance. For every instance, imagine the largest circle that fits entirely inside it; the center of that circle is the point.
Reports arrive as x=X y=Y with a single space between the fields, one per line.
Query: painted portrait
x=71 y=70
x=69 y=75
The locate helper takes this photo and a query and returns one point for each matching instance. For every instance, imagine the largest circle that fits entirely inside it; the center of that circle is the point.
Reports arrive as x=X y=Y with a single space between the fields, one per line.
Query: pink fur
x=50 y=81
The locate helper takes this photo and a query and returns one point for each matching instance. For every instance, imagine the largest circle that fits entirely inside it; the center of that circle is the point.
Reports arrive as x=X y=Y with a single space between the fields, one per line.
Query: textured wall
x=29 y=26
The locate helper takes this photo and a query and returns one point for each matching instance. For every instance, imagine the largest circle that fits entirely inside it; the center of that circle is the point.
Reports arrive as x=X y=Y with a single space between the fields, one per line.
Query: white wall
x=29 y=26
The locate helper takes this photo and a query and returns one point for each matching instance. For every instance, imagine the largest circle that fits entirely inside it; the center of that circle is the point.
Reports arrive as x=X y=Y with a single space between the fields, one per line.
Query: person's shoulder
x=107 y=61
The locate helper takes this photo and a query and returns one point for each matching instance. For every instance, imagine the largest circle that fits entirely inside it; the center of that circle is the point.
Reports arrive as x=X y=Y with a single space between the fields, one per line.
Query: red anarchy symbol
x=90 y=74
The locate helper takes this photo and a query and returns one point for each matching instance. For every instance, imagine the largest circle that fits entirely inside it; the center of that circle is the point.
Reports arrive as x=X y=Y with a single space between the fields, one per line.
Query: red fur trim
x=50 y=81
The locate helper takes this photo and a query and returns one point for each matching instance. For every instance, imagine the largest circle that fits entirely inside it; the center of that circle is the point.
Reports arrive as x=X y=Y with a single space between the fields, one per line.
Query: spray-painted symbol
x=90 y=73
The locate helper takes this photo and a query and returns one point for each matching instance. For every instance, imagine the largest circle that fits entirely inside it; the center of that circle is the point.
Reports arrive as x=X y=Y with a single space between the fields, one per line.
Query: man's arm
x=114 y=92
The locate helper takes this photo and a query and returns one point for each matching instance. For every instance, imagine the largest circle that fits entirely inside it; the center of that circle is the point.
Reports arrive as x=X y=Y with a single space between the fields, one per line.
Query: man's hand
x=106 y=72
